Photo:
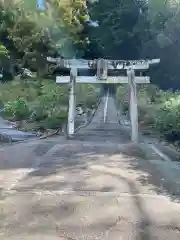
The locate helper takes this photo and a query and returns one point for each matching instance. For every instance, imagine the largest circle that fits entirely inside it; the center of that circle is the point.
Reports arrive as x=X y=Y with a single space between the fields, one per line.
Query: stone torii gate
x=105 y=72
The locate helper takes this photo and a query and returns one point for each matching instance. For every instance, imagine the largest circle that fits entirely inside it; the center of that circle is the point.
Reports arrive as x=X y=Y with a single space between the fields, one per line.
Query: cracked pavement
x=95 y=186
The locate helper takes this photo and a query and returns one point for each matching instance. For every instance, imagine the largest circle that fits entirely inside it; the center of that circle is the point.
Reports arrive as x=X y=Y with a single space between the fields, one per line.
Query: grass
x=40 y=103
x=159 y=111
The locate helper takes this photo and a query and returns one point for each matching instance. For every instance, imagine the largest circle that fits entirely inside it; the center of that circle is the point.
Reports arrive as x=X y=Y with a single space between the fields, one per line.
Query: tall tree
x=68 y=23
x=163 y=43
x=116 y=35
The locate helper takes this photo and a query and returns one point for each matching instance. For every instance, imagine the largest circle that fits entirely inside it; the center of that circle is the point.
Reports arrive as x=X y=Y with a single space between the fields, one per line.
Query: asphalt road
x=95 y=186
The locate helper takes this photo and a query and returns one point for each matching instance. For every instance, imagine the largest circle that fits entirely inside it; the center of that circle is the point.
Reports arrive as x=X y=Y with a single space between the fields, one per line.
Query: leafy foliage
x=42 y=102
x=17 y=110
x=116 y=32
x=30 y=35
x=158 y=110
x=127 y=29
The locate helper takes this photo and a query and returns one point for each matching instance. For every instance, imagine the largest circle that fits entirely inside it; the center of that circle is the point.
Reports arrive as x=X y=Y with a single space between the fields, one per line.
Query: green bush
x=146 y=115
x=19 y=89
x=55 y=119
x=168 y=118
x=52 y=99
x=86 y=95
x=53 y=93
x=159 y=110
x=17 y=110
x=122 y=98
x=42 y=102
x=38 y=112
x=164 y=113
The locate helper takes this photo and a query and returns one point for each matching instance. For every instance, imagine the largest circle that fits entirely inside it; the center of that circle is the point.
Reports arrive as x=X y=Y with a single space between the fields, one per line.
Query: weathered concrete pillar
x=133 y=105
x=72 y=102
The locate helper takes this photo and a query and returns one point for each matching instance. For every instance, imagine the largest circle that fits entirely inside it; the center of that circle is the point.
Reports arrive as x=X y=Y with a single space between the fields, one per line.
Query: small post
x=72 y=102
x=133 y=105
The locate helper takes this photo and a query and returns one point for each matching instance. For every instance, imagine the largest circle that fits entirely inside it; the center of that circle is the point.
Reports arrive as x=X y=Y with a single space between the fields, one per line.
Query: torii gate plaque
x=102 y=68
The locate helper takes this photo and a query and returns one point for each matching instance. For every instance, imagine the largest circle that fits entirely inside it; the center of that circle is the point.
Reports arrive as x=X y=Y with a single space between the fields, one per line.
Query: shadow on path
x=142 y=216
x=160 y=182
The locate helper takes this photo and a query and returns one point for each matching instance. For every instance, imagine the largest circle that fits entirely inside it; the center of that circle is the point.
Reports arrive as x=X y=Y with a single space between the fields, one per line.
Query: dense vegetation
x=159 y=111
x=27 y=37
x=40 y=103
x=128 y=29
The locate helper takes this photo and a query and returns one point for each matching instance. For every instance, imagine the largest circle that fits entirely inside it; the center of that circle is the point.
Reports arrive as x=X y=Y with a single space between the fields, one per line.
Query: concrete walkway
x=96 y=186
x=9 y=133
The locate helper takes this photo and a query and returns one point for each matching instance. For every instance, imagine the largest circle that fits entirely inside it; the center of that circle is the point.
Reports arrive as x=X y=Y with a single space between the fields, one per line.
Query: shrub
x=17 y=110
x=53 y=93
x=86 y=96
x=168 y=118
x=38 y=112
x=55 y=119
x=42 y=102
x=157 y=109
x=18 y=89
x=122 y=98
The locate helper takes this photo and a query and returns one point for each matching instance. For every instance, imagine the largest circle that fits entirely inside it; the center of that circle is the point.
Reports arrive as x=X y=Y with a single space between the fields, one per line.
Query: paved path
x=86 y=189
x=9 y=133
